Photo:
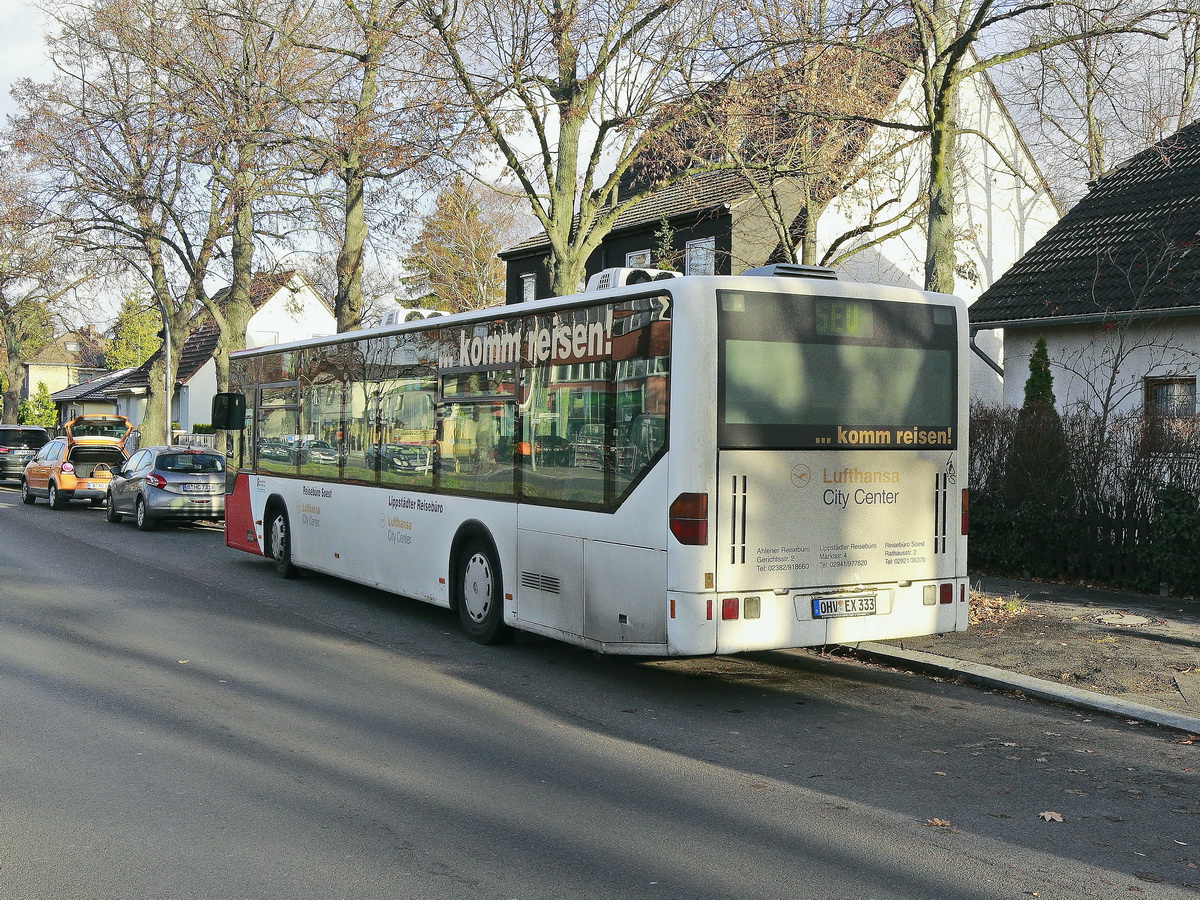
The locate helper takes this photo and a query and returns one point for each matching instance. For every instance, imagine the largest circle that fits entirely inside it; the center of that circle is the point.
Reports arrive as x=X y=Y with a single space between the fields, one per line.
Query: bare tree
x=33 y=277
x=239 y=86
x=1092 y=102
x=125 y=161
x=955 y=43
x=564 y=91
x=382 y=120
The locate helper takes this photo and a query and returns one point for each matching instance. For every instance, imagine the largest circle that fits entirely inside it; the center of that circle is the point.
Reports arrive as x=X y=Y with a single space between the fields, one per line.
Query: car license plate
x=837 y=607
x=96 y=485
x=197 y=488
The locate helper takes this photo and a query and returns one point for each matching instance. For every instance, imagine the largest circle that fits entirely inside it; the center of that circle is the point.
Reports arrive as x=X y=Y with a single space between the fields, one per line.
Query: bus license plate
x=836 y=607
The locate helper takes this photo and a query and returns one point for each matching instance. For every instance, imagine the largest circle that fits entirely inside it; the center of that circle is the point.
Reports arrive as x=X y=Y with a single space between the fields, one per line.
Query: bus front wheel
x=279 y=546
x=481 y=595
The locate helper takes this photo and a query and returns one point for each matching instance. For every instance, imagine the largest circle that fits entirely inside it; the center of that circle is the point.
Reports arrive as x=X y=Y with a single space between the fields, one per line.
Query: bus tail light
x=729 y=608
x=688 y=518
x=965 y=517
x=947 y=593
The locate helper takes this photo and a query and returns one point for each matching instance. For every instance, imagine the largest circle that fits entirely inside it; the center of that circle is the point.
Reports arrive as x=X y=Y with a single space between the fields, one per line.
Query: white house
x=1114 y=288
x=287 y=309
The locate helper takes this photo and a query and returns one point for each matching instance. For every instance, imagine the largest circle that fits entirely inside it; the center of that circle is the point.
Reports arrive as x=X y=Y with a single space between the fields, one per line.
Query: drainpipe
x=995 y=366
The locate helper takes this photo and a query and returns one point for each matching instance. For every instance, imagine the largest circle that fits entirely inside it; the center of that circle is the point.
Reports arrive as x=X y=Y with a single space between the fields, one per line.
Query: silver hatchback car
x=168 y=483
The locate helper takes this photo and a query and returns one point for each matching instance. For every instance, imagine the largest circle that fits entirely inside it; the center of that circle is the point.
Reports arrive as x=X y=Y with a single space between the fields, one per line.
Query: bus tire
x=279 y=543
x=480 y=594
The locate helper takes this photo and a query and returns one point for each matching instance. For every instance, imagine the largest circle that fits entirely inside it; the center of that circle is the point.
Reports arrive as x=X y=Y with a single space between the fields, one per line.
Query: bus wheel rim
x=477 y=587
x=278 y=537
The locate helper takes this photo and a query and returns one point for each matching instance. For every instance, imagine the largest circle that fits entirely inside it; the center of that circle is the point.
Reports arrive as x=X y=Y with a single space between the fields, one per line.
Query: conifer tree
x=1039 y=386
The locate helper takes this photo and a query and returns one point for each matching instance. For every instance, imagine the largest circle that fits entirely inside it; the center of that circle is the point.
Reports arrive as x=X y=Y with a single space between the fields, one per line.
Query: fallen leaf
x=1190 y=739
x=936 y=823
x=1051 y=816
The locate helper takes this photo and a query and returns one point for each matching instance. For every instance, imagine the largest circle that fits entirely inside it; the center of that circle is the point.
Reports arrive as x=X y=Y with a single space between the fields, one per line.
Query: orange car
x=79 y=465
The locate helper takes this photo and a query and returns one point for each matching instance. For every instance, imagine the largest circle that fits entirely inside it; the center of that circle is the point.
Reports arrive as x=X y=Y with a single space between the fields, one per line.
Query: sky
x=21 y=48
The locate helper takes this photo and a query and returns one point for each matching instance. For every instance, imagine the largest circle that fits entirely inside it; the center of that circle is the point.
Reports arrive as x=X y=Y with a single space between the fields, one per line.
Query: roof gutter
x=1170 y=312
x=1167 y=312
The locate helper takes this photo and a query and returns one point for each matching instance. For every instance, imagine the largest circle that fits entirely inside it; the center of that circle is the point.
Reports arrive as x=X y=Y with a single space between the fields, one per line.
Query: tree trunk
x=348 y=304
x=940 y=258
x=157 y=418
x=14 y=379
x=238 y=308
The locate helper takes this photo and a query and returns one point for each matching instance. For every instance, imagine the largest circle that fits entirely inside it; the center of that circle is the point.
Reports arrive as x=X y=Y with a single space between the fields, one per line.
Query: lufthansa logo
x=801 y=476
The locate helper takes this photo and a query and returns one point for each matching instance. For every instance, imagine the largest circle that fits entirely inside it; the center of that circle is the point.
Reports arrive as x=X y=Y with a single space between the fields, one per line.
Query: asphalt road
x=175 y=722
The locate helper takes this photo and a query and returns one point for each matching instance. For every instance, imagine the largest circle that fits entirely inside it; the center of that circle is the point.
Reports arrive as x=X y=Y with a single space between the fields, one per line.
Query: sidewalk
x=1130 y=655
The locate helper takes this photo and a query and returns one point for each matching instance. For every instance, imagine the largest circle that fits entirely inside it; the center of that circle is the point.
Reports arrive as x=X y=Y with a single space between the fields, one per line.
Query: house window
x=639 y=259
x=528 y=287
x=1171 y=397
x=701 y=258
x=72 y=346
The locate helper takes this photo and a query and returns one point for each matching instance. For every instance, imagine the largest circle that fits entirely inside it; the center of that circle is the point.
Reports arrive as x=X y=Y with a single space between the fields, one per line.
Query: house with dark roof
x=1114 y=287
x=716 y=221
x=89 y=396
x=288 y=308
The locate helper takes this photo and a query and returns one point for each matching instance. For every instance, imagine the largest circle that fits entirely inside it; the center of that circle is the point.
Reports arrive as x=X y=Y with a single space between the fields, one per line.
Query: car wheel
x=111 y=513
x=26 y=494
x=480 y=595
x=56 y=499
x=280 y=545
x=142 y=516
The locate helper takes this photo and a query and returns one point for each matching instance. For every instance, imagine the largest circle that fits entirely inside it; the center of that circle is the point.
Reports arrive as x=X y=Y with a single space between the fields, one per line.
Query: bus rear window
x=809 y=372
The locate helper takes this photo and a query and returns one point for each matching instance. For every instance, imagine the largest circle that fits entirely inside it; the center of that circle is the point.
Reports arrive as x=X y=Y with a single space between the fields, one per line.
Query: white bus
x=680 y=466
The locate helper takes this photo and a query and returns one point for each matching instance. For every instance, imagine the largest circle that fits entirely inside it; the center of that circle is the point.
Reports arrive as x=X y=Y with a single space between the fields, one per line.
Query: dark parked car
x=176 y=483
x=274 y=449
x=18 y=444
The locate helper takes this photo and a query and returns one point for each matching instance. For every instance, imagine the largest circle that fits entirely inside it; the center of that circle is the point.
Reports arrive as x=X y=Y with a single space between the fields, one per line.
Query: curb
x=989 y=676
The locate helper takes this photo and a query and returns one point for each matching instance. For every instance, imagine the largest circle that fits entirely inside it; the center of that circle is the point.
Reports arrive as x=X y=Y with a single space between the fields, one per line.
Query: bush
x=1116 y=499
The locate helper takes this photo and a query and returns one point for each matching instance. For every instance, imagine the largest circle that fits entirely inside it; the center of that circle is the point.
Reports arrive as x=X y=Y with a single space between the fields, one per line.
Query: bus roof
x=780 y=275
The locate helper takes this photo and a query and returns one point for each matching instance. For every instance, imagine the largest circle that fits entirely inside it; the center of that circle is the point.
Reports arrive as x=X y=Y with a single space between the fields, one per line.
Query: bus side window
x=474 y=445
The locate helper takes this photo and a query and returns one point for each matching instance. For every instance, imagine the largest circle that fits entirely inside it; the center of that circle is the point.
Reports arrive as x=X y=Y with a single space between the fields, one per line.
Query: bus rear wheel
x=480 y=594
x=279 y=544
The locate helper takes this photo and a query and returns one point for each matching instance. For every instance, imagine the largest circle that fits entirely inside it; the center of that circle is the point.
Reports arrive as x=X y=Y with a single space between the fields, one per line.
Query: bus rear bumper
x=709 y=623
